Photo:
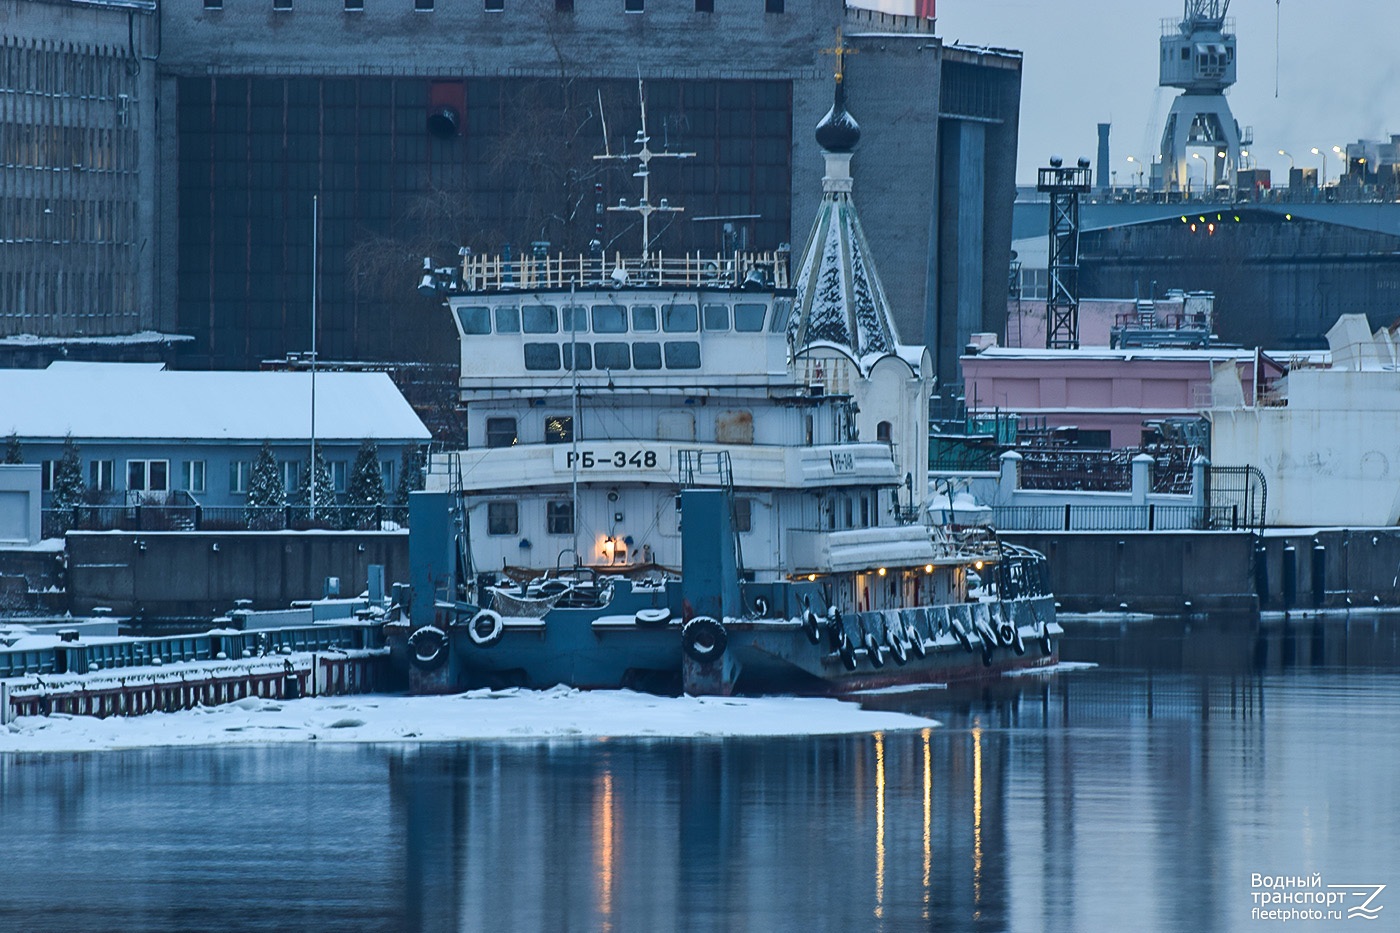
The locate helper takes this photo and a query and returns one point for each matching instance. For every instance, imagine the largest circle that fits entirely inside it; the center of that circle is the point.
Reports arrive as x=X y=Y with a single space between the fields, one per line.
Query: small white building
x=1327 y=439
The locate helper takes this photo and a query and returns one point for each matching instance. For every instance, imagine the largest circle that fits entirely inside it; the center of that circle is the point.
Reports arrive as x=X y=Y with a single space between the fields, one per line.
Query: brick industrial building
x=161 y=158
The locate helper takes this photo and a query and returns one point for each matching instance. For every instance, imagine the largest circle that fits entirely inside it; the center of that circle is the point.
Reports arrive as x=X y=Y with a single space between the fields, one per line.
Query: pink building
x=1106 y=393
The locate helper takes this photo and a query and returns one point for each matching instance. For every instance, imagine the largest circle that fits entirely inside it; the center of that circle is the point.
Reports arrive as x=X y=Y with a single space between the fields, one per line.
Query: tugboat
x=700 y=473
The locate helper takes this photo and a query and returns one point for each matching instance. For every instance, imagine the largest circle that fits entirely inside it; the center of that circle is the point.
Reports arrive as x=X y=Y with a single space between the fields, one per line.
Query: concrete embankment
x=1163 y=572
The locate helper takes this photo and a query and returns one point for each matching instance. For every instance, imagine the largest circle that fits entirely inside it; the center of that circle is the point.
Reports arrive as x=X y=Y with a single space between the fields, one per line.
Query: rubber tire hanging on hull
x=916 y=641
x=986 y=648
x=873 y=654
x=835 y=631
x=1043 y=640
x=486 y=628
x=811 y=627
x=655 y=618
x=427 y=648
x=703 y=639
x=846 y=650
x=897 y=649
x=961 y=635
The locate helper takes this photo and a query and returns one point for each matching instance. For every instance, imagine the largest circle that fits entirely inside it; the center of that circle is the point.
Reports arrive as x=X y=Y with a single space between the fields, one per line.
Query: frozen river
x=1141 y=794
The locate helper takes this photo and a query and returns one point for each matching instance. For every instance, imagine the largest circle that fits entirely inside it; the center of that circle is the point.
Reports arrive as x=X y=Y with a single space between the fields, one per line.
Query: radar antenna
x=643 y=157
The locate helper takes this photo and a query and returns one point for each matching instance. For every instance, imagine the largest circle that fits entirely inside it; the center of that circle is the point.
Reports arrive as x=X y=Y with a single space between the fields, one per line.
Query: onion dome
x=838 y=131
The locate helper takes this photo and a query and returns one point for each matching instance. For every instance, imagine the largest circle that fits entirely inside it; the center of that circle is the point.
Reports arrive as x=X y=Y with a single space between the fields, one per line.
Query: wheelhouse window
x=585 y=356
x=502 y=518
x=609 y=319
x=632 y=6
x=646 y=355
x=423 y=6
x=559 y=517
x=644 y=318
x=507 y=320
x=612 y=356
x=475 y=319
x=716 y=318
x=573 y=319
x=748 y=318
x=539 y=319
x=351 y=6
x=541 y=356
x=495 y=6
x=682 y=354
x=281 y=4
x=148 y=475
x=680 y=319
x=558 y=429
x=501 y=432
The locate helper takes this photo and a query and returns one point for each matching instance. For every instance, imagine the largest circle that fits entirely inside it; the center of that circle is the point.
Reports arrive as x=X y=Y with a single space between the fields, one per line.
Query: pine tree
x=266 y=494
x=325 y=493
x=364 y=493
x=13 y=453
x=68 y=485
x=410 y=475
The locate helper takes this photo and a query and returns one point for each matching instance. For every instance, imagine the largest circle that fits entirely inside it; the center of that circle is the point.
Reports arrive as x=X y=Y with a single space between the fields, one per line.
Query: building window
x=495 y=6
x=281 y=4
x=558 y=429
x=354 y=6
x=772 y=6
x=386 y=473
x=501 y=432
x=101 y=475
x=563 y=6
x=238 y=473
x=743 y=515
x=192 y=476
x=883 y=432
x=704 y=6
x=148 y=475
x=423 y=6
x=340 y=472
x=632 y=6
x=502 y=518
x=291 y=476
x=559 y=517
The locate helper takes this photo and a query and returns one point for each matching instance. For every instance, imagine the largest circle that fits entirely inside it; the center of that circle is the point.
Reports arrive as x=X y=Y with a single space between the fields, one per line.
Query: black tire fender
x=427 y=648
x=897 y=649
x=812 y=627
x=703 y=639
x=873 y=654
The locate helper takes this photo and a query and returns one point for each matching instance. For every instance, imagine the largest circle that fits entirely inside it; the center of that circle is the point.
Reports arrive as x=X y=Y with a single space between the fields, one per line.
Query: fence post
x=1141 y=478
x=1067 y=508
x=1151 y=517
x=198 y=516
x=378 y=516
x=286 y=517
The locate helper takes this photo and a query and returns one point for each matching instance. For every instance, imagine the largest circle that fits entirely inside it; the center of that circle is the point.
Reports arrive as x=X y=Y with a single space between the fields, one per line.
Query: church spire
x=840 y=301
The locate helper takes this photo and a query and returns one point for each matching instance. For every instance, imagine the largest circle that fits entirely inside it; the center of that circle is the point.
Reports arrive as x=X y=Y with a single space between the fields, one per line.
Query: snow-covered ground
x=480 y=714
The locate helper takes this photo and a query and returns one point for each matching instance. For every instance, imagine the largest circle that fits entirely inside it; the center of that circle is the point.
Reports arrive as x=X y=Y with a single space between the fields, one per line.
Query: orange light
x=977 y=565
x=881 y=571
x=811 y=577
x=928 y=568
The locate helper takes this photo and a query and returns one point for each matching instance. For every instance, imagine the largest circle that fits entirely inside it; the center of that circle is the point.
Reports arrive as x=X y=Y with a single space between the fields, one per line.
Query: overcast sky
x=1092 y=61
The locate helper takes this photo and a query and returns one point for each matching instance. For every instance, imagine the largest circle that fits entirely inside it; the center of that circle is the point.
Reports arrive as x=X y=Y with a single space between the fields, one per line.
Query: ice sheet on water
x=481 y=714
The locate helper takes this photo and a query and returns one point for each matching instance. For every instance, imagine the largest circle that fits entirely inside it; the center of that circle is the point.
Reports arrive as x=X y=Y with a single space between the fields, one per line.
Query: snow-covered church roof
x=840 y=301
x=116 y=401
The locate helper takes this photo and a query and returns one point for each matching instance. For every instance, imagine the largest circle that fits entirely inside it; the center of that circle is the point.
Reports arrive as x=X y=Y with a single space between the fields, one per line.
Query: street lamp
x=1320 y=152
x=1138 y=163
x=1341 y=154
x=1205 y=174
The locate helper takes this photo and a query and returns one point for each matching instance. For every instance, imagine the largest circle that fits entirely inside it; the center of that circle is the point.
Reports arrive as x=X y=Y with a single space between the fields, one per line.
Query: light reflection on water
x=1138 y=795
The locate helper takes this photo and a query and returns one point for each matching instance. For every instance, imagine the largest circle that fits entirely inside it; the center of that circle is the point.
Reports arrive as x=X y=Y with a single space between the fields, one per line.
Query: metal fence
x=56 y=522
x=1070 y=517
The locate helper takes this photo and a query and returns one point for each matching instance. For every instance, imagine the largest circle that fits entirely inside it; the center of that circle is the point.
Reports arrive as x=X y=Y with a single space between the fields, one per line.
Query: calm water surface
x=1139 y=795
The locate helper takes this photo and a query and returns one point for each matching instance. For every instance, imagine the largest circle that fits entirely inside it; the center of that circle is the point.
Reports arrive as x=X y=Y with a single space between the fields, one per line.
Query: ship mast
x=643 y=158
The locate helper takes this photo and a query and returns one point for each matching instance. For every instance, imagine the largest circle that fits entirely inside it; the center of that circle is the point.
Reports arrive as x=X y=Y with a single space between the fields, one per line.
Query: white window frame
x=102 y=475
x=239 y=472
x=193 y=475
x=145 y=467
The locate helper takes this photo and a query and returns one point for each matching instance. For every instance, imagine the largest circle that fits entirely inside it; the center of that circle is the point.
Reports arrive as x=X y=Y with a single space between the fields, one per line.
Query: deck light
x=811 y=577
x=881 y=571
x=928 y=568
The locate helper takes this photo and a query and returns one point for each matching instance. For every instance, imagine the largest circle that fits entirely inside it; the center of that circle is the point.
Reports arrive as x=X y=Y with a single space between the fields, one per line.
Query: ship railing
x=1151 y=517
x=495 y=273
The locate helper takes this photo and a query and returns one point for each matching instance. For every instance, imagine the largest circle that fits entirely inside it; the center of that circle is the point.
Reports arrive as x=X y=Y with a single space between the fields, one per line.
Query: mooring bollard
x=291 y=687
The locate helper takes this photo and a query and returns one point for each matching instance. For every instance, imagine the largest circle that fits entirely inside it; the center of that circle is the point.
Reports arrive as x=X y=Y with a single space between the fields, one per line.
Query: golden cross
x=841 y=50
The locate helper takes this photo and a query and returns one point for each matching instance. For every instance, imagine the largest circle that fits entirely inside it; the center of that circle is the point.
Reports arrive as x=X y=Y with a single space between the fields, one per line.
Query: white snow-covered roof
x=146 y=402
